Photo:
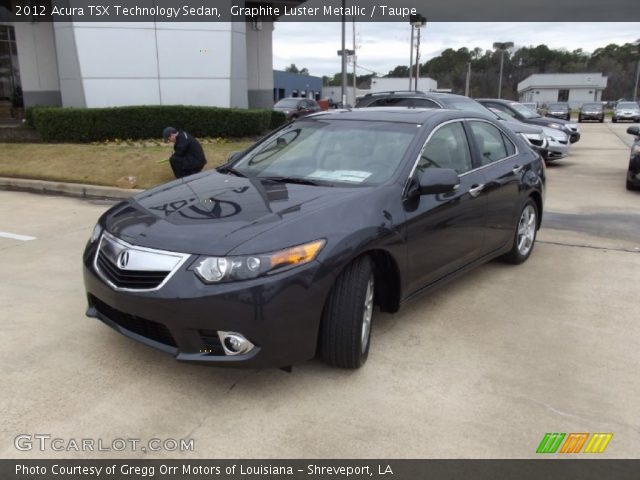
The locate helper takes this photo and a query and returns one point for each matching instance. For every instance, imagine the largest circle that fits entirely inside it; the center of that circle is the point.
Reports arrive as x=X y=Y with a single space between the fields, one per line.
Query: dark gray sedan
x=290 y=248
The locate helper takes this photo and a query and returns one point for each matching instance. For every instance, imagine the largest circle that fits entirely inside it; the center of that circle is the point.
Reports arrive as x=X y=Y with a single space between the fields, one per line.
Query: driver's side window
x=447 y=148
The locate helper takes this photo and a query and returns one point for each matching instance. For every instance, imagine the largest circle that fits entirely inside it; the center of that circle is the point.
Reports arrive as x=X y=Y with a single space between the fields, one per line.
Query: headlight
x=556 y=125
x=97 y=231
x=229 y=269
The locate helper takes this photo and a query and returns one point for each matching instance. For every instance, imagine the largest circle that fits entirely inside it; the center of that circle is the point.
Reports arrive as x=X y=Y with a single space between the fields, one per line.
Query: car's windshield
x=523 y=111
x=501 y=115
x=628 y=105
x=559 y=106
x=288 y=103
x=466 y=104
x=331 y=152
x=592 y=106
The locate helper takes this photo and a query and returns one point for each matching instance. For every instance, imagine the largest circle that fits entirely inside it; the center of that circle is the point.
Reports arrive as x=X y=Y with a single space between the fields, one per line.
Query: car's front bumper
x=592 y=116
x=635 y=116
x=557 y=149
x=279 y=314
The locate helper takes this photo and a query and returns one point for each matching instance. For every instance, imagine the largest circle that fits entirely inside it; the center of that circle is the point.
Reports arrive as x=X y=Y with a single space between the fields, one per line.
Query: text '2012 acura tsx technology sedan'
x=290 y=248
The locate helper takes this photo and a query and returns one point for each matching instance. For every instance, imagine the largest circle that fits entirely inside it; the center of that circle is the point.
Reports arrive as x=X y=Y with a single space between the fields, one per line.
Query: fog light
x=234 y=343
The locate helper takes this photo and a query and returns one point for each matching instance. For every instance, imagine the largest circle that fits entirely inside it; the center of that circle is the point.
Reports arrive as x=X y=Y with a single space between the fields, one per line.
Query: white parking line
x=15 y=236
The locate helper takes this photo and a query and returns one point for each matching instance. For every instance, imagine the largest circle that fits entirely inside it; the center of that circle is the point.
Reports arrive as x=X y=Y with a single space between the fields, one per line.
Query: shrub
x=277 y=119
x=56 y=124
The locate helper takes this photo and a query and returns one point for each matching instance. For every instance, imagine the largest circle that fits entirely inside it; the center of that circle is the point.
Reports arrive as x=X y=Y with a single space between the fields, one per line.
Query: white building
x=388 y=84
x=575 y=88
x=105 y=64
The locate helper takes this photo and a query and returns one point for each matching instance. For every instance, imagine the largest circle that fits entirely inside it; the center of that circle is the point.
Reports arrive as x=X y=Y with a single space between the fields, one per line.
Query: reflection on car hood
x=212 y=213
x=519 y=127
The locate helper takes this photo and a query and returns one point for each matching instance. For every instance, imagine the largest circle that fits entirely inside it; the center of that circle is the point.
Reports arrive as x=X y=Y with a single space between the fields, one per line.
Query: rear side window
x=447 y=148
x=492 y=143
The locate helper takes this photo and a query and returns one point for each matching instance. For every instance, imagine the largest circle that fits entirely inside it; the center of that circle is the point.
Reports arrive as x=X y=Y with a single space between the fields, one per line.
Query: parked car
x=294 y=107
x=559 y=110
x=557 y=141
x=626 y=111
x=531 y=105
x=286 y=250
x=591 y=111
x=633 y=174
x=523 y=114
x=533 y=135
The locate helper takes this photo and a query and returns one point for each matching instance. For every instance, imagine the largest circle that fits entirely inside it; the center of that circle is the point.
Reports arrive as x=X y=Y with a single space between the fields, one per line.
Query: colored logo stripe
x=598 y=442
x=574 y=443
x=550 y=442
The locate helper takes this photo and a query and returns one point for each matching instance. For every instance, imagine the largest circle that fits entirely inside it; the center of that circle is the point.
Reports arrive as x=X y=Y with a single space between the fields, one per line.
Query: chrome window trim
x=461 y=120
x=181 y=259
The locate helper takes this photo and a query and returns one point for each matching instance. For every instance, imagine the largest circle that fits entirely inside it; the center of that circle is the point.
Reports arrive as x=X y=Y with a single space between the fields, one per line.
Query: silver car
x=626 y=111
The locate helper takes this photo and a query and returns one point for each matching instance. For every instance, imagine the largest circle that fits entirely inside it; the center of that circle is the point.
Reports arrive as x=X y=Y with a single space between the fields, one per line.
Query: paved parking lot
x=481 y=368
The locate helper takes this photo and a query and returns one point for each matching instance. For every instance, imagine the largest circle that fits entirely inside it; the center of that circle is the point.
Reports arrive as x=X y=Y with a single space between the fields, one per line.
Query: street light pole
x=502 y=46
x=635 y=88
x=466 y=87
x=411 y=58
x=417 y=21
x=344 y=57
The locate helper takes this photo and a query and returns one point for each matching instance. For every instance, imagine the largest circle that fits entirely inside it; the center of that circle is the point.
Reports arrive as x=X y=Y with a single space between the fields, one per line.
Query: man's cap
x=168 y=131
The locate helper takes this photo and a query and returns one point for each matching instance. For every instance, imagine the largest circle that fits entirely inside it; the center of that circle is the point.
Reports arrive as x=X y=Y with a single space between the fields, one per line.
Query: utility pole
x=344 y=58
x=354 y=56
x=417 y=22
x=411 y=58
x=635 y=88
x=502 y=46
x=466 y=86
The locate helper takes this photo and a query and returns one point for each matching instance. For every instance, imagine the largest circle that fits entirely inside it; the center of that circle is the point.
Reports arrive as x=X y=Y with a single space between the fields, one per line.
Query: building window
x=10 y=89
x=563 y=95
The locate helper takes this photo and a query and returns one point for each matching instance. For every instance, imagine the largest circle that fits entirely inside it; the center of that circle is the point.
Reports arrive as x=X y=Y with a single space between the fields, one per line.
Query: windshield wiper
x=300 y=181
x=232 y=171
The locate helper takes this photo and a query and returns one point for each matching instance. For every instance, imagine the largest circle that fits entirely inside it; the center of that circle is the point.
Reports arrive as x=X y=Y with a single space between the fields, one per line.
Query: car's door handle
x=517 y=169
x=476 y=189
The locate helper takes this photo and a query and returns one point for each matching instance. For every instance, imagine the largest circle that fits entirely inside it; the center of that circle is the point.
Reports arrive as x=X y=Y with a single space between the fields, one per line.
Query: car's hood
x=519 y=127
x=544 y=121
x=212 y=213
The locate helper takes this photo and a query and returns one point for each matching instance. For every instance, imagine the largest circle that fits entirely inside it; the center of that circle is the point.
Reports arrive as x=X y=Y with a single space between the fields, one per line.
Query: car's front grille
x=211 y=344
x=133 y=279
x=146 y=328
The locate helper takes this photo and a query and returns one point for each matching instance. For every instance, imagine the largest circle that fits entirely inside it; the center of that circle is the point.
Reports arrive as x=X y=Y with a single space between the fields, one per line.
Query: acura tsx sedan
x=290 y=248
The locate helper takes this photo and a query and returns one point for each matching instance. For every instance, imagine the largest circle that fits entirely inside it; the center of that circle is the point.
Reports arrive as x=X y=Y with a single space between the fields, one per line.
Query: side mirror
x=233 y=156
x=633 y=131
x=438 y=180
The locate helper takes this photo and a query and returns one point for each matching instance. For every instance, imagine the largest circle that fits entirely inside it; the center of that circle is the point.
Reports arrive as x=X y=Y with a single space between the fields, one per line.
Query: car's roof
x=395 y=114
x=496 y=100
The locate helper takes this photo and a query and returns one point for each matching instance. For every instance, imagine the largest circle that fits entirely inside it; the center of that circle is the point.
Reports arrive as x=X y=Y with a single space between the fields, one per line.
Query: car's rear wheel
x=347 y=317
x=525 y=236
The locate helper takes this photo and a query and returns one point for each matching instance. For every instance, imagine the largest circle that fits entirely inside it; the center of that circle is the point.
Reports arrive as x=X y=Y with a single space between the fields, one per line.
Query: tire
x=525 y=234
x=347 y=316
x=614 y=120
x=579 y=119
x=602 y=120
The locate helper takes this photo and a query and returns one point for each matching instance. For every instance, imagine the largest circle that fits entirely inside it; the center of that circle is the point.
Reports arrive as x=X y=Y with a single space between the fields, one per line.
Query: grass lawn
x=99 y=164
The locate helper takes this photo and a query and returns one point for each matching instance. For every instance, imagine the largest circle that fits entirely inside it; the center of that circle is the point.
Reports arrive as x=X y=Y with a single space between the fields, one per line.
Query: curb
x=78 y=190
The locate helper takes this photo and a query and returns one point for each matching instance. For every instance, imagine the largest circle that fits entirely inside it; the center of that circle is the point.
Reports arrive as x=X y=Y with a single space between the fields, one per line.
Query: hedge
x=56 y=124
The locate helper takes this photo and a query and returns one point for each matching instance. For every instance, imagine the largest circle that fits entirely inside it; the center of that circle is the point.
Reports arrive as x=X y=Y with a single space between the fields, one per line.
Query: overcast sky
x=383 y=46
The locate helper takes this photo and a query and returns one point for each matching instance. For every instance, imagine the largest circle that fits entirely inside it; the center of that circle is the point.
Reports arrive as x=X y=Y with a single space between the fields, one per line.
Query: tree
x=293 y=69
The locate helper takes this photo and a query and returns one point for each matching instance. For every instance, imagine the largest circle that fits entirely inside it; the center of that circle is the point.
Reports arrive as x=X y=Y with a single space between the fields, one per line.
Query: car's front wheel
x=525 y=236
x=347 y=317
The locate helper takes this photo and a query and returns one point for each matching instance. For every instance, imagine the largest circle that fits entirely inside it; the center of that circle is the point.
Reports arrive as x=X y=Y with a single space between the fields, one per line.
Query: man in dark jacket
x=188 y=157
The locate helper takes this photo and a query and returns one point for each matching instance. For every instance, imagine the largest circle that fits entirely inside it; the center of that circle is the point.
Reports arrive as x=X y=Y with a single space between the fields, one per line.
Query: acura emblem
x=123 y=259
